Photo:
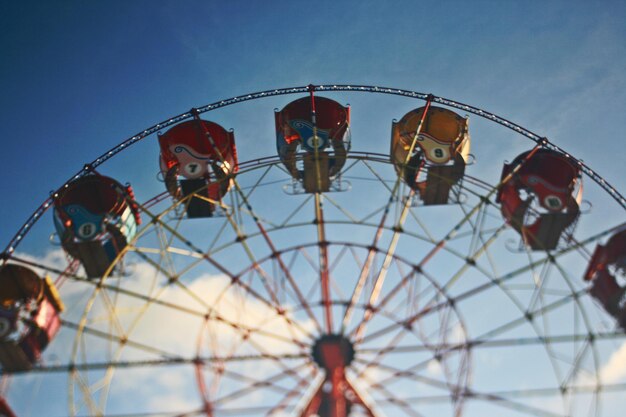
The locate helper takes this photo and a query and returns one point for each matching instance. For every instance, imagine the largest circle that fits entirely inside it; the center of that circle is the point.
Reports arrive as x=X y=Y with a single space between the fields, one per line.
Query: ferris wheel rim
x=539 y=140
x=262 y=162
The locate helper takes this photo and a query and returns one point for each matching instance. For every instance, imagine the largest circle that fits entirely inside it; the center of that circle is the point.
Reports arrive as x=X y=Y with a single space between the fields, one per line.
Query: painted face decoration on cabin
x=435 y=151
x=550 y=197
x=85 y=224
x=192 y=164
x=310 y=141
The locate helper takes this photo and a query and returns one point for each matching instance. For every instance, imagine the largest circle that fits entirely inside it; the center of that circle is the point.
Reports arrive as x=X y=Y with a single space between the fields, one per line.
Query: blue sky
x=77 y=78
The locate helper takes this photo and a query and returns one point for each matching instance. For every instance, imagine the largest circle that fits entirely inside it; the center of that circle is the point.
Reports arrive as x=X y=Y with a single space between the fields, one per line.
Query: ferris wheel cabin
x=5 y=410
x=198 y=159
x=95 y=217
x=29 y=316
x=538 y=197
x=607 y=264
x=320 y=127
x=430 y=149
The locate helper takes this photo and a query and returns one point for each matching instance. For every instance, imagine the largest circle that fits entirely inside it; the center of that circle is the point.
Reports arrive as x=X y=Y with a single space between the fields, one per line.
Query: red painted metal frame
x=335 y=400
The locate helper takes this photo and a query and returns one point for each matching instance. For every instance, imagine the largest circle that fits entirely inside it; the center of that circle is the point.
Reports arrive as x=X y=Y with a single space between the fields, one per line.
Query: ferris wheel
x=434 y=272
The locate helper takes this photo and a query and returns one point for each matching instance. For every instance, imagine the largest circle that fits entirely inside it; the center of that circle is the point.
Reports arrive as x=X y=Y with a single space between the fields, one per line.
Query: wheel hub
x=332 y=352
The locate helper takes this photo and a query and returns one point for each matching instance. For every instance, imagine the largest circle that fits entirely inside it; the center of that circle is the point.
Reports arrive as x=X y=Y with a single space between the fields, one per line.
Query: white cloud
x=614 y=370
x=434 y=368
x=171 y=330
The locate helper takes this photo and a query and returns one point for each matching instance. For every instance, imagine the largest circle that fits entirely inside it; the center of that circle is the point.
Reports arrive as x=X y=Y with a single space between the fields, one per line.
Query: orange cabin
x=198 y=159
x=95 y=217
x=430 y=151
x=538 y=199
x=29 y=316
x=323 y=135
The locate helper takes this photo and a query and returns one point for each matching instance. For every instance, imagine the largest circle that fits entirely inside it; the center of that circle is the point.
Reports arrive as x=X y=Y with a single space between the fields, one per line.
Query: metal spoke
x=332 y=299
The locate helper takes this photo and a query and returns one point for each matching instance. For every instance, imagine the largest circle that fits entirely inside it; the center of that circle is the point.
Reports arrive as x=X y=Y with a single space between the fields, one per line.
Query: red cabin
x=431 y=156
x=608 y=262
x=5 y=410
x=198 y=160
x=323 y=135
x=96 y=217
x=540 y=199
x=29 y=316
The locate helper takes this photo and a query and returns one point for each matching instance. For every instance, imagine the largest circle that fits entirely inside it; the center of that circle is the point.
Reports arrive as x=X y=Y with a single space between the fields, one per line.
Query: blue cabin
x=95 y=217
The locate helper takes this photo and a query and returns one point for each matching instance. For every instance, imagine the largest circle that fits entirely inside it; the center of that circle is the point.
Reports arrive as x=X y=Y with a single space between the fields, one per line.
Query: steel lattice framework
x=277 y=278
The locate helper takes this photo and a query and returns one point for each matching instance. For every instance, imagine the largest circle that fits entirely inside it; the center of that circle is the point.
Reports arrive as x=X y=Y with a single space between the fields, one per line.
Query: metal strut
x=319 y=221
x=335 y=395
